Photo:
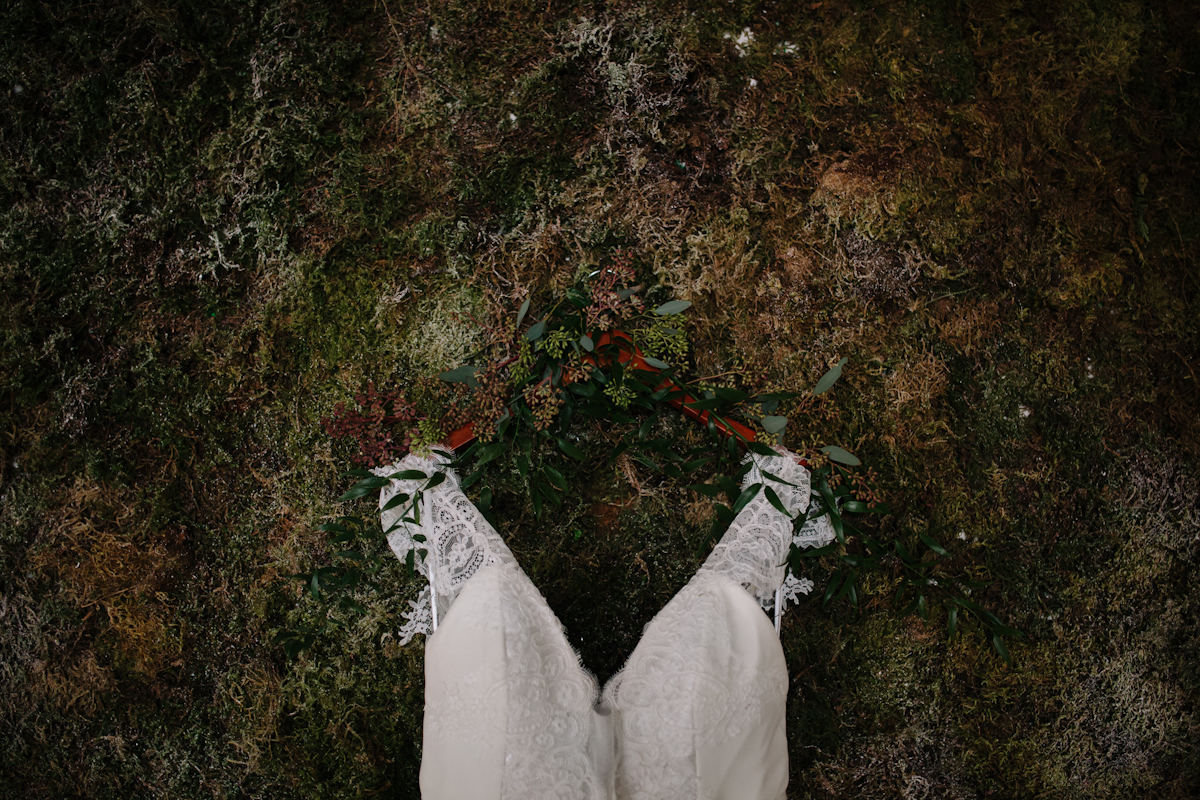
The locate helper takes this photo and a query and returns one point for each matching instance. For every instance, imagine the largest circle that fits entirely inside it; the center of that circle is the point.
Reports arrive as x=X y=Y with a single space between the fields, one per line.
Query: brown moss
x=107 y=564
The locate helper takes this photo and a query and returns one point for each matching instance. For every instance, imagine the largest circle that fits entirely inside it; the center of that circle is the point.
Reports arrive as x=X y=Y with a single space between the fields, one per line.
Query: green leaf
x=485 y=499
x=587 y=343
x=397 y=500
x=774 y=424
x=471 y=479
x=353 y=555
x=775 y=501
x=952 y=623
x=654 y=362
x=848 y=586
x=358 y=473
x=644 y=430
x=436 y=480
x=706 y=405
x=933 y=545
x=725 y=515
x=464 y=374
x=357 y=492
x=761 y=449
x=555 y=477
x=373 y=482
x=841 y=456
x=571 y=450
x=834 y=582
x=998 y=643
x=748 y=494
x=409 y=475
x=733 y=396
x=835 y=519
x=535 y=333
x=524 y=310
x=776 y=478
x=491 y=451
x=854 y=507
x=819 y=552
x=829 y=378
x=728 y=486
x=548 y=492
x=672 y=307
x=922 y=607
x=706 y=489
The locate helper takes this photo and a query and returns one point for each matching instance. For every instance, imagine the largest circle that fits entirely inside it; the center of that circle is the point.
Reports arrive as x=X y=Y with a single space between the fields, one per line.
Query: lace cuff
x=754 y=550
x=816 y=532
x=455 y=540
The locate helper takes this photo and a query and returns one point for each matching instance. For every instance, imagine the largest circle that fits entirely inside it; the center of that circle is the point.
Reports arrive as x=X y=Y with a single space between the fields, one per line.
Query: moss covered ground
x=219 y=219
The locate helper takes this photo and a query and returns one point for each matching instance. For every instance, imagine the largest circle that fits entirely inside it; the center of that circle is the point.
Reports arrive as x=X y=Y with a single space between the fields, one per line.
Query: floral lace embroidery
x=816 y=532
x=458 y=540
x=418 y=618
x=754 y=549
x=668 y=706
x=791 y=590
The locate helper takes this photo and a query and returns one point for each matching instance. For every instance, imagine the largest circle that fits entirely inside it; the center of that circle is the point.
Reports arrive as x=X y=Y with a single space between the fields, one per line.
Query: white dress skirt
x=696 y=712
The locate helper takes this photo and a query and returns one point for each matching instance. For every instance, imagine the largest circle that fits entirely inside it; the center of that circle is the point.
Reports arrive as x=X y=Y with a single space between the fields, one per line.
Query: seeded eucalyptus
x=597 y=353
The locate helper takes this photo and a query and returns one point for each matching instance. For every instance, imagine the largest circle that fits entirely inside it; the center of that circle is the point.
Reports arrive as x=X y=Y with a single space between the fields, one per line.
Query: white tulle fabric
x=697 y=711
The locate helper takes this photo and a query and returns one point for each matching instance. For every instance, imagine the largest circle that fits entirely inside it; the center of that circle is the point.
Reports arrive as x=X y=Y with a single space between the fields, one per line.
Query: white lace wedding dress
x=697 y=711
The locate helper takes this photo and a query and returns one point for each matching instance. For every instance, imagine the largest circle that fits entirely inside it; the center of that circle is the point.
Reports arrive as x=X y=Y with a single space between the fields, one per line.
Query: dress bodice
x=696 y=712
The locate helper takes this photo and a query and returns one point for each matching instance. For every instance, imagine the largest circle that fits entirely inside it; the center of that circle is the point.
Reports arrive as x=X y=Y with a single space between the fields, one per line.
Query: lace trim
x=816 y=532
x=753 y=551
x=418 y=619
x=458 y=541
x=792 y=589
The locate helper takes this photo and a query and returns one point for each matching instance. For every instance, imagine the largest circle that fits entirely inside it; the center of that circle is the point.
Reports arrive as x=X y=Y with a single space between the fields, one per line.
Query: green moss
x=220 y=221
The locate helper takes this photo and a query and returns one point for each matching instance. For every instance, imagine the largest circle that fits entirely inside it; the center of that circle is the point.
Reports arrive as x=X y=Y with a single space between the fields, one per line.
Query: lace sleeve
x=754 y=550
x=457 y=540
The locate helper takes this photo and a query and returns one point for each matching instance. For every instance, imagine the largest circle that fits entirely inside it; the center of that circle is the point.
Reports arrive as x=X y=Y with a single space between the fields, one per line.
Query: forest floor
x=222 y=218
